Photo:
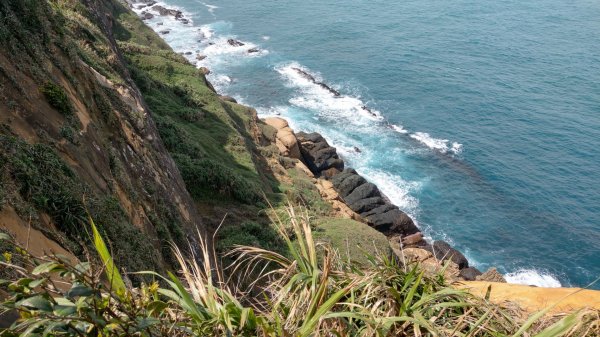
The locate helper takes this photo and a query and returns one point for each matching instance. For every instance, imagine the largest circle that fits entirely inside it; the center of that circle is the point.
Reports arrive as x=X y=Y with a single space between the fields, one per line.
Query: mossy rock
x=351 y=238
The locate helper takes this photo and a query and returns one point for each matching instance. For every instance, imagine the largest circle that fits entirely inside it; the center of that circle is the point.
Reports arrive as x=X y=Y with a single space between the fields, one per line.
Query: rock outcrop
x=443 y=251
x=321 y=158
x=284 y=138
x=491 y=275
x=365 y=199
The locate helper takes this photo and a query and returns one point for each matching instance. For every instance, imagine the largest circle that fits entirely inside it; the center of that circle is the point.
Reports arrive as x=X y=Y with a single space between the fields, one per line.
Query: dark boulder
x=443 y=251
x=253 y=50
x=235 y=43
x=469 y=273
x=346 y=186
x=393 y=222
x=363 y=191
x=318 y=155
x=379 y=210
x=147 y=16
x=347 y=173
x=366 y=205
x=167 y=11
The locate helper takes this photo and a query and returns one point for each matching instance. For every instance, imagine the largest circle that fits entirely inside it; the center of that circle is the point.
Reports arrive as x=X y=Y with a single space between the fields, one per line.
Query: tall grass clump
x=309 y=291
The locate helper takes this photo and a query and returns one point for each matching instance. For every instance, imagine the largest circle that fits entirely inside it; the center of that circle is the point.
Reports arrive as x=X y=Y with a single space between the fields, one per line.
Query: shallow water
x=487 y=113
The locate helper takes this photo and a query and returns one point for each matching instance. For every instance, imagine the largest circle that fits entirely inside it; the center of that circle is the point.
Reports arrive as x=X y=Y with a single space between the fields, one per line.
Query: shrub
x=249 y=234
x=206 y=177
x=57 y=98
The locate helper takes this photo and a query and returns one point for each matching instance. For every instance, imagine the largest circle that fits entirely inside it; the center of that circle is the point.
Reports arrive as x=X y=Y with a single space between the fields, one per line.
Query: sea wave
x=441 y=145
x=533 y=277
x=325 y=100
x=399 y=191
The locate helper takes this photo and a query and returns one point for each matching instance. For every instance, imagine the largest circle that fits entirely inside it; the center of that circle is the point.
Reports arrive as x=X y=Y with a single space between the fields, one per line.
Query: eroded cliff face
x=76 y=136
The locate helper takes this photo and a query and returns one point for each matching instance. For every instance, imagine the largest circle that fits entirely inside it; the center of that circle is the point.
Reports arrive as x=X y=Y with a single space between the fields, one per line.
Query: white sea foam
x=533 y=277
x=321 y=100
x=398 y=128
x=211 y=8
x=396 y=189
x=266 y=37
x=441 y=145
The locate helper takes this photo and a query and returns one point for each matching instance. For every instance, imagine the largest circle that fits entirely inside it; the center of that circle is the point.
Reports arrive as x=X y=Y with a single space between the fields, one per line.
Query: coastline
x=178 y=15
x=361 y=197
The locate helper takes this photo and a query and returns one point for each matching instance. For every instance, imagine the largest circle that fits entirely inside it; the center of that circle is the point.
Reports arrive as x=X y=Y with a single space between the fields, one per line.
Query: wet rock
x=491 y=275
x=443 y=251
x=469 y=274
x=200 y=57
x=235 y=43
x=184 y=21
x=318 y=155
x=188 y=53
x=147 y=16
x=165 y=32
x=253 y=50
x=312 y=79
x=168 y=11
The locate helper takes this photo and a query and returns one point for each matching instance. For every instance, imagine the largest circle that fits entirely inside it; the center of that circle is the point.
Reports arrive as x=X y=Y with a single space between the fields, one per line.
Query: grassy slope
x=215 y=143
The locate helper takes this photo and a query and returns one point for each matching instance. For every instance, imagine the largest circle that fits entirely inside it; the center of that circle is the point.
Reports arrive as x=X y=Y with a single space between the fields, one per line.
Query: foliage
x=303 y=295
x=57 y=98
x=45 y=181
x=204 y=177
x=249 y=234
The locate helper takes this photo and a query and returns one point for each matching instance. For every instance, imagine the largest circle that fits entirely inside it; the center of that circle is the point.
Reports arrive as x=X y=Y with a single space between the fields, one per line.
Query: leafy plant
x=57 y=98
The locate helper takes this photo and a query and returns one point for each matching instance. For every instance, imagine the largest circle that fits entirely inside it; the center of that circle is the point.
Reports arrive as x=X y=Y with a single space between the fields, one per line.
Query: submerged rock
x=235 y=43
x=253 y=50
x=168 y=11
x=147 y=16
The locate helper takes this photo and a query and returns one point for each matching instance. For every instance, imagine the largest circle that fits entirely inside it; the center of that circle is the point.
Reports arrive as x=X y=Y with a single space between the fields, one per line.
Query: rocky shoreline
x=365 y=202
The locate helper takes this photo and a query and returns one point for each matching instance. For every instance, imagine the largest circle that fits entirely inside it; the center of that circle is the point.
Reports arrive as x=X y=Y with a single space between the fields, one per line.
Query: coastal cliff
x=101 y=119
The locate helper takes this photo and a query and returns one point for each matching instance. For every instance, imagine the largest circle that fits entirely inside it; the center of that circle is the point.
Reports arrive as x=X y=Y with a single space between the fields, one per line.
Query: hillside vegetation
x=314 y=292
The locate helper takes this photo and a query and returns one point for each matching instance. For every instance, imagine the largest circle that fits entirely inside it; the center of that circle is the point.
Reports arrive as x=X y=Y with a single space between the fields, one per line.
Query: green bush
x=68 y=133
x=44 y=180
x=205 y=178
x=57 y=98
x=250 y=234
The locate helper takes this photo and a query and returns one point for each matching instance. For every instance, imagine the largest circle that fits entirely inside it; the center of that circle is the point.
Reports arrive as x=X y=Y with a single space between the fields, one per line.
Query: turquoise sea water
x=488 y=112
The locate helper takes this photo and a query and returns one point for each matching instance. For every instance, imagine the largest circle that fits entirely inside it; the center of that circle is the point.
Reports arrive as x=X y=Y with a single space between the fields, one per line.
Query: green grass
x=354 y=240
x=210 y=140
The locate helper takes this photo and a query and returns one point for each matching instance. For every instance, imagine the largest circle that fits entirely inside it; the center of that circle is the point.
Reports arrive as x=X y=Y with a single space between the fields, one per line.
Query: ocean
x=480 y=119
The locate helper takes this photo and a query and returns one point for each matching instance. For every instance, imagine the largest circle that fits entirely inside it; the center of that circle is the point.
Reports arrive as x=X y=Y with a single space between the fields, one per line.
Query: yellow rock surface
x=536 y=298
